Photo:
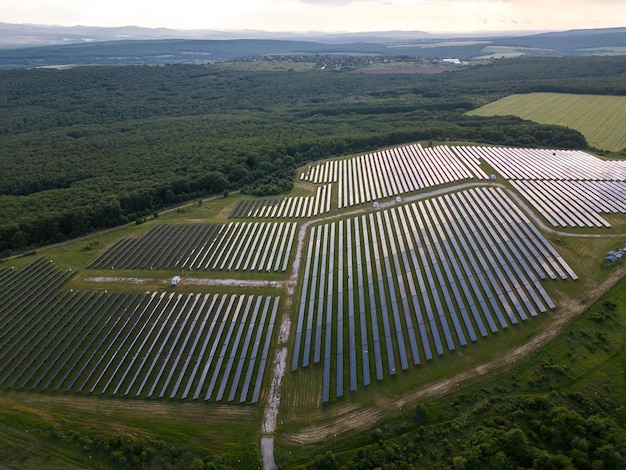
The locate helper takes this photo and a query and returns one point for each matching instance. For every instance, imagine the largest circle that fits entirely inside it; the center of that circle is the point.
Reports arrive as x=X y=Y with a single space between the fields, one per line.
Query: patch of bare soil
x=353 y=421
x=127 y=280
x=280 y=366
x=271 y=410
x=232 y=282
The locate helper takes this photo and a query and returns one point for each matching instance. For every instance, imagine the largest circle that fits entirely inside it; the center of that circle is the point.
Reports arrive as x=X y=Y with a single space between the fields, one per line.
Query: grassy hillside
x=599 y=118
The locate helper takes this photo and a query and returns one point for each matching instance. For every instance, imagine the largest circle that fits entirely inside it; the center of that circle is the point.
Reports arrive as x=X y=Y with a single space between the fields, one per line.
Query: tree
x=197 y=464
x=420 y=414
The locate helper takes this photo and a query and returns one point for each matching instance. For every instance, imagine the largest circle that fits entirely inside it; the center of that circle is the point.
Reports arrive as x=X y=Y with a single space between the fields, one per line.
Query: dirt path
x=267 y=451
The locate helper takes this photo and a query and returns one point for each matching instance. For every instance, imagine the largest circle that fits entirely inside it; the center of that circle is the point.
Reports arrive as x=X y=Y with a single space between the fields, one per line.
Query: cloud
x=324 y=15
x=337 y=2
x=329 y=2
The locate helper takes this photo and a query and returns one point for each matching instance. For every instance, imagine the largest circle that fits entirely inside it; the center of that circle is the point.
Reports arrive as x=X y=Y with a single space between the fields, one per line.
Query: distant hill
x=25 y=35
x=574 y=42
x=38 y=46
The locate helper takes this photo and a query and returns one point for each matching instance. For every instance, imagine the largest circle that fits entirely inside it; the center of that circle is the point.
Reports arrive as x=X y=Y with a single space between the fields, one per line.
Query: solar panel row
x=284 y=208
x=574 y=203
x=546 y=164
x=570 y=188
x=264 y=246
x=392 y=171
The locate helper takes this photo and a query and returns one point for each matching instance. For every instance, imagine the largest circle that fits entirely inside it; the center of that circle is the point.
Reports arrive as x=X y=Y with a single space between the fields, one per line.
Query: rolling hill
x=38 y=46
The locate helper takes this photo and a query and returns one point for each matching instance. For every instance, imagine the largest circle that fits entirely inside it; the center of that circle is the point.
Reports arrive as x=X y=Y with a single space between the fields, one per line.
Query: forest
x=93 y=147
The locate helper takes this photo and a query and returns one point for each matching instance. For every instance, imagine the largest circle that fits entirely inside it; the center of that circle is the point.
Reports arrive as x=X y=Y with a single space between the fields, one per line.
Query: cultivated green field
x=496 y=52
x=599 y=118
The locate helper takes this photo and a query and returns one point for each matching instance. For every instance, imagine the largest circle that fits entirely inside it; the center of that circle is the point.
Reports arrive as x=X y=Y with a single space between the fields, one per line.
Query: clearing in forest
x=599 y=118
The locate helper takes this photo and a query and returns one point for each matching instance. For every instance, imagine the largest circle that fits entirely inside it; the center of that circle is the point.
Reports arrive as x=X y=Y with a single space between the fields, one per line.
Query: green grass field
x=599 y=118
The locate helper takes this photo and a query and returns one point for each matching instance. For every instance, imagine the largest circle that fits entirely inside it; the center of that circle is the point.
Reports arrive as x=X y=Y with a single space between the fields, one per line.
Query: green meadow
x=599 y=118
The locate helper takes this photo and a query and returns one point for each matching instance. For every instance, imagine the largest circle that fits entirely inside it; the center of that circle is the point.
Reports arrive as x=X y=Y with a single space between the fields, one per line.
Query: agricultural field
x=599 y=118
x=384 y=273
x=497 y=52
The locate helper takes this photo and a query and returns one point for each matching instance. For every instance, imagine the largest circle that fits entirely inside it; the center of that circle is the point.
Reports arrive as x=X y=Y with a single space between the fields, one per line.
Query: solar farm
x=421 y=279
x=234 y=246
x=445 y=258
x=568 y=188
x=391 y=172
x=139 y=344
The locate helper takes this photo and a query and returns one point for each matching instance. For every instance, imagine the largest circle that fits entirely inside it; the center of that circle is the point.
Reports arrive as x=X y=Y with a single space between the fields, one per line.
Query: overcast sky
x=323 y=15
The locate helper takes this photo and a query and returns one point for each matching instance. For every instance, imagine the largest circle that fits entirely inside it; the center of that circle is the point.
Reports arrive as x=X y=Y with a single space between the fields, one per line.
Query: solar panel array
x=259 y=246
x=289 y=207
x=574 y=203
x=185 y=346
x=390 y=289
x=381 y=292
x=394 y=171
x=570 y=188
x=399 y=170
x=521 y=163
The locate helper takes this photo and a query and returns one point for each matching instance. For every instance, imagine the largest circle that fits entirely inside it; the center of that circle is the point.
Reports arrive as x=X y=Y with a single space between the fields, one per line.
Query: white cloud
x=330 y=2
x=324 y=15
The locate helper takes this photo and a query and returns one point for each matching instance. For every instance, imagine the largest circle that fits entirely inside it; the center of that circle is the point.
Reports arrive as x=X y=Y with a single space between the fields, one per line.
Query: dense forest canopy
x=94 y=147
